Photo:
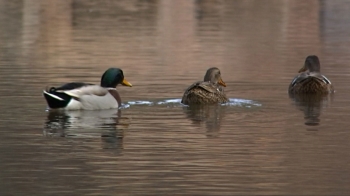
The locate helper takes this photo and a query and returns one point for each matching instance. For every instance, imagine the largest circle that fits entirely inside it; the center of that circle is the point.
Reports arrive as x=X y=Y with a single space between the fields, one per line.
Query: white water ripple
x=177 y=102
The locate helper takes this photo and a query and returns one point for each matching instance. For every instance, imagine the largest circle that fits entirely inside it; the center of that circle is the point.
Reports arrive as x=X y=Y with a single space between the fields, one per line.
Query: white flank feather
x=74 y=105
x=91 y=98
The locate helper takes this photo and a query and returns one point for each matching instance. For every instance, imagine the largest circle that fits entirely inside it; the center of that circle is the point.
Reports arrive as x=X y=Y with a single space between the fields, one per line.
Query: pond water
x=263 y=142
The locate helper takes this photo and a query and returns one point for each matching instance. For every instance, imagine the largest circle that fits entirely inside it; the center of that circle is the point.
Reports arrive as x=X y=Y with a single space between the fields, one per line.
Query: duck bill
x=222 y=83
x=302 y=69
x=126 y=83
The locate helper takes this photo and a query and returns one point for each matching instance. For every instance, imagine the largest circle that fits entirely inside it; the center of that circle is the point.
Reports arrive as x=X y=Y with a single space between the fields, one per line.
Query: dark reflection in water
x=311 y=105
x=105 y=124
x=210 y=115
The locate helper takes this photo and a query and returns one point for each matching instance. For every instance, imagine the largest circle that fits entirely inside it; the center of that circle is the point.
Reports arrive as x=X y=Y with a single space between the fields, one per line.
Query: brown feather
x=116 y=95
x=209 y=91
x=310 y=85
x=310 y=80
x=204 y=93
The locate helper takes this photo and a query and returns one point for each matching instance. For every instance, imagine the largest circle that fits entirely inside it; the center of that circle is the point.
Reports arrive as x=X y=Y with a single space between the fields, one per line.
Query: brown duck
x=209 y=91
x=310 y=80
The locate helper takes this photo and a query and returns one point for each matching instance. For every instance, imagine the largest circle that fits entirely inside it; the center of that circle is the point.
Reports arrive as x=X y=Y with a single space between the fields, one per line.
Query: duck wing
x=56 y=96
x=83 y=90
x=59 y=97
x=307 y=76
x=72 y=85
x=205 y=93
x=310 y=82
x=203 y=85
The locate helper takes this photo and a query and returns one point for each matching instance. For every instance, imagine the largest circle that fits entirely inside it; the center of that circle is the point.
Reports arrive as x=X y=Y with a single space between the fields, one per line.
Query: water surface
x=263 y=143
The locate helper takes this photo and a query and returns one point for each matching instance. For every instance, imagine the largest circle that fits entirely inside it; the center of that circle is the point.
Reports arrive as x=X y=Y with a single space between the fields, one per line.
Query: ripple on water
x=109 y=125
x=177 y=103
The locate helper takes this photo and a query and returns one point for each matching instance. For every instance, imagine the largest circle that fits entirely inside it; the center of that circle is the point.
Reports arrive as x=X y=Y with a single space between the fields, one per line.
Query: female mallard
x=310 y=80
x=209 y=91
x=77 y=95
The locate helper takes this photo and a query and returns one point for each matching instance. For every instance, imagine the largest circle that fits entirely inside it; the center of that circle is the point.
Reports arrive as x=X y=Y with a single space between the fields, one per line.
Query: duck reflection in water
x=311 y=105
x=310 y=90
x=108 y=125
x=211 y=115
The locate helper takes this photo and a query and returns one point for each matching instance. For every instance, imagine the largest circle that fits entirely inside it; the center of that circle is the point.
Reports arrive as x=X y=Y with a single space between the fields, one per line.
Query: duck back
x=204 y=93
x=311 y=84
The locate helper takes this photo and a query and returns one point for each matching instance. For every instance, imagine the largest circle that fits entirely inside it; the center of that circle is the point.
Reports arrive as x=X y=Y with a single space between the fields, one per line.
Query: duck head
x=213 y=75
x=312 y=64
x=112 y=77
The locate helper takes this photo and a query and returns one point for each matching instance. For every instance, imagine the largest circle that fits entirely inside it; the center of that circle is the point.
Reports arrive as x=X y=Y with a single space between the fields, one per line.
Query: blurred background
x=262 y=143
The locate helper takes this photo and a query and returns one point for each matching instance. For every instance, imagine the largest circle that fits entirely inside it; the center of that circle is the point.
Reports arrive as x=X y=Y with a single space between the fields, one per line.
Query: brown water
x=262 y=143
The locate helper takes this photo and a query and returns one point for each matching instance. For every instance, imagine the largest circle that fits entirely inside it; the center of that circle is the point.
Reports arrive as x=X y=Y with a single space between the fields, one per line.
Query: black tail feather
x=56 y=99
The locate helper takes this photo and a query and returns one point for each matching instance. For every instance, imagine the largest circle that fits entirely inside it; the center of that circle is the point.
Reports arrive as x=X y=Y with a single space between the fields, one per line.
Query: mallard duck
x=310 y=80
x=77 y=95
x=209 y=91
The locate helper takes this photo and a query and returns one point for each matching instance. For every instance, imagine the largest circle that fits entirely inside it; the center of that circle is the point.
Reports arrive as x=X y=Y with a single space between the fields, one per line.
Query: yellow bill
x=126 y=83
x=302 y=69
x=222 y=83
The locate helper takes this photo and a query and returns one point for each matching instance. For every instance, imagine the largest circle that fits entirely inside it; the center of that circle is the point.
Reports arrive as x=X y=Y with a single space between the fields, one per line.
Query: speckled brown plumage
x=310 y=80
x=209 y=91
